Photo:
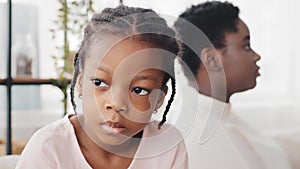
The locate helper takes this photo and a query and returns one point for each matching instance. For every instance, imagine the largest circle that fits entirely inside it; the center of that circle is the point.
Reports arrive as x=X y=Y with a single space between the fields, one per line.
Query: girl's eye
x=99 y=83
x=140 y=91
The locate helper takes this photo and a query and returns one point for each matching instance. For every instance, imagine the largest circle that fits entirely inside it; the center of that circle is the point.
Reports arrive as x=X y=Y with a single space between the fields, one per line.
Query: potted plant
x=72 y=17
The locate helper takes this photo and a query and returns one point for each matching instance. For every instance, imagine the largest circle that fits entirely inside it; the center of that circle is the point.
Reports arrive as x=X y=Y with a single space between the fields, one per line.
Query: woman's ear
x=161 y=96
x=210 y=59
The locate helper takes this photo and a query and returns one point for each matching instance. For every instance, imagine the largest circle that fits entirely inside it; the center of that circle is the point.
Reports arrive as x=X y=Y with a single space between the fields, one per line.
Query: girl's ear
x=210 y=59
x=79 y=84
x=161 y=96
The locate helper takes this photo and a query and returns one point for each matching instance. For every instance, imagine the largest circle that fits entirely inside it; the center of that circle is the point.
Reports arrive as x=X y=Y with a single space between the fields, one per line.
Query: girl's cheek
x=140 y=104
x=139 y=116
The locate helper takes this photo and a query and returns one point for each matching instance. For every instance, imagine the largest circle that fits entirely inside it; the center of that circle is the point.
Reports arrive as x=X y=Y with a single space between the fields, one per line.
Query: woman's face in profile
x=239 y=60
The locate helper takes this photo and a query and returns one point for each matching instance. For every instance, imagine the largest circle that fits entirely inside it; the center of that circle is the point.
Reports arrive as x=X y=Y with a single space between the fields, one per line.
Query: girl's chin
x=112 y=139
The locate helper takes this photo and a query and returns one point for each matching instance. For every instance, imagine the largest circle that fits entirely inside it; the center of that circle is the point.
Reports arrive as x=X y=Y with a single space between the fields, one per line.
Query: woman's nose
x=256 y=56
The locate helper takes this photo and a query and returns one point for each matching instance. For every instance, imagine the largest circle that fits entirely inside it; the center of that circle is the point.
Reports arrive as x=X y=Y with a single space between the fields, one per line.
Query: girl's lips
x=118 y=130
x=113 y=127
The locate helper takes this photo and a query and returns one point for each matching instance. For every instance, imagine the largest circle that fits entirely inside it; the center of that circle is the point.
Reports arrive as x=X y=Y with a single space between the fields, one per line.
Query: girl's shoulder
x=59 y=128
x=53 y=146
x=152 y=129
x=51 y=135
x=168 y=137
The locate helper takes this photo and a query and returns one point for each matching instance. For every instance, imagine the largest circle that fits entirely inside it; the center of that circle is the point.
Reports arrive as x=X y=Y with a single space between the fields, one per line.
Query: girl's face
x=120 y=89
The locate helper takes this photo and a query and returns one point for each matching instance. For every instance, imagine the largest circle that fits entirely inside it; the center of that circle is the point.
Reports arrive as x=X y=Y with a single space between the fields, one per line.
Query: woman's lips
x=257 y=71
x=113 y=127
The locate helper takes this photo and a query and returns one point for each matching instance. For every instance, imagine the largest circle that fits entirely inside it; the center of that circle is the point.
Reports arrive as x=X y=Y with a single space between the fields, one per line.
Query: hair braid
x=164 y=119
x=75 y=75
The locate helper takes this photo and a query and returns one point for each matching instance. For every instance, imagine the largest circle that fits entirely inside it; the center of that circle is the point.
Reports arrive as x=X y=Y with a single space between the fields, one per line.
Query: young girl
x=121 y=70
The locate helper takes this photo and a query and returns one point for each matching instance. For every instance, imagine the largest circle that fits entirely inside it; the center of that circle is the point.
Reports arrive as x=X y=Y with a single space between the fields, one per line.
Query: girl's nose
x=116 y=102
x=116 y=108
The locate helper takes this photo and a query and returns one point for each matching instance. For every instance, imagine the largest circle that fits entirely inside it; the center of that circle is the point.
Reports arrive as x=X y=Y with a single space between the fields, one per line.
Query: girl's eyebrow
x=104 y=69
x=145 y=77
x=138 y=77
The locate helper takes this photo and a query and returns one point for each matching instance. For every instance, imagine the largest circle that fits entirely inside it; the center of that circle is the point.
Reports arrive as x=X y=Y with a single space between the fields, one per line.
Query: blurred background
x=36 y=28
